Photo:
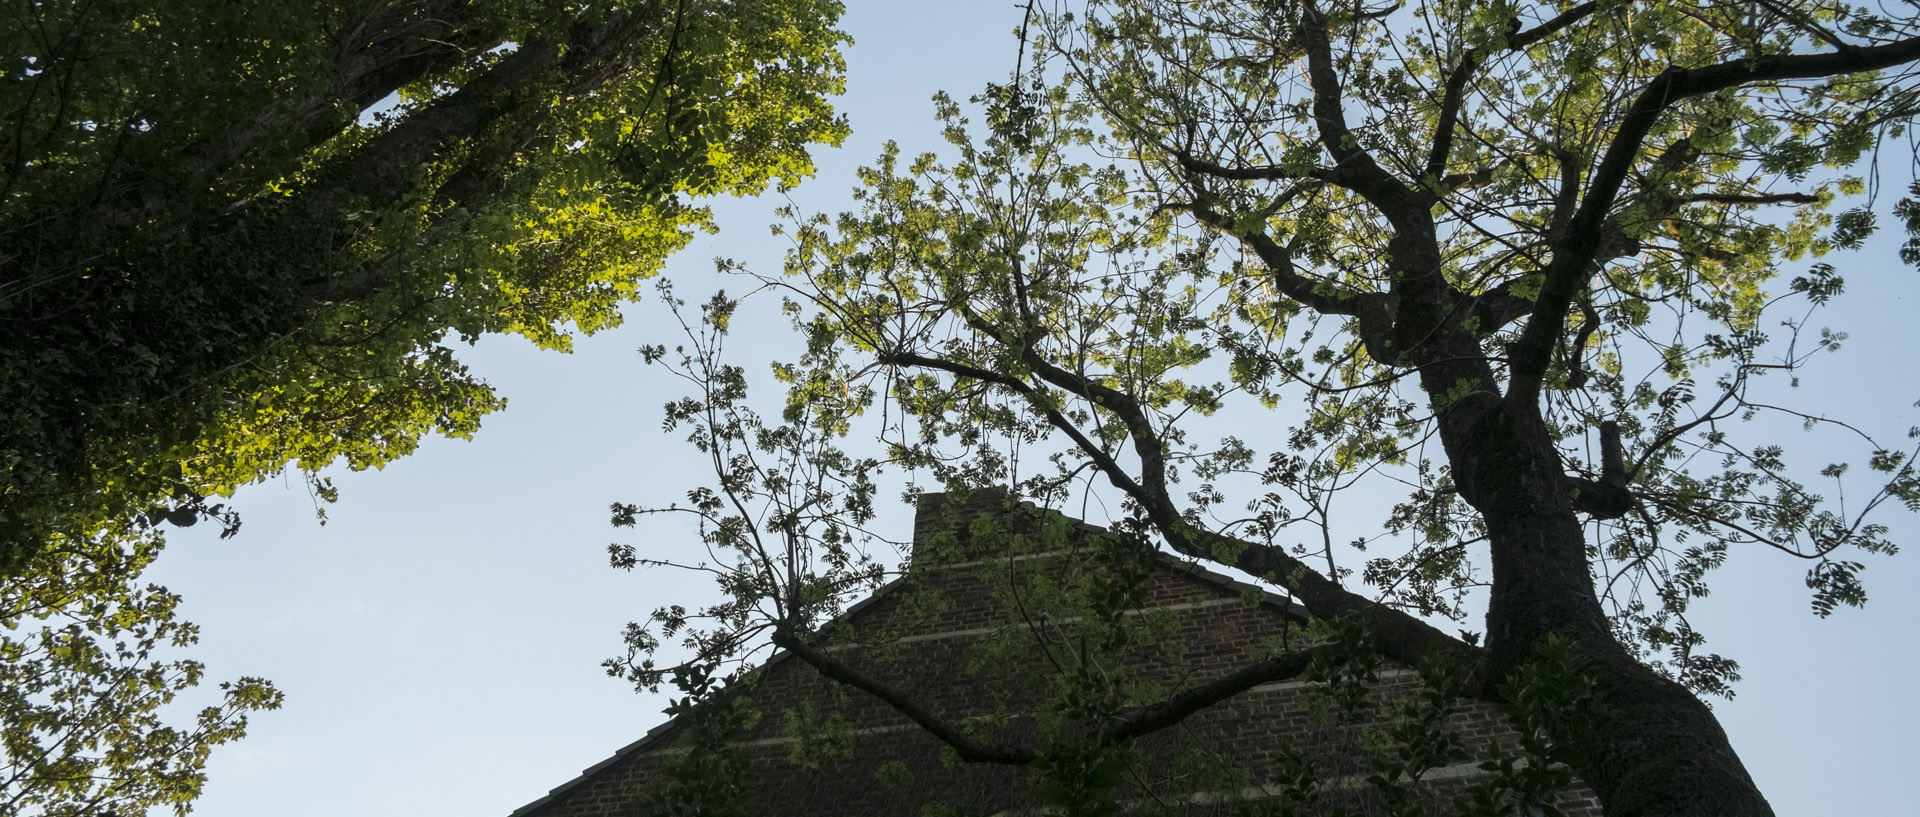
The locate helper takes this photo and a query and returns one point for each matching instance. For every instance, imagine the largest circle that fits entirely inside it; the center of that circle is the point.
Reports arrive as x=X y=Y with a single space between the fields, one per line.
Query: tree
x=87 y=676
x=236 y=238
x=240 y=238
x=1512 y=259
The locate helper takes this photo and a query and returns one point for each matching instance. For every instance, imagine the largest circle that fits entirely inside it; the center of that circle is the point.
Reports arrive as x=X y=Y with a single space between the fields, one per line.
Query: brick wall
x=990 y=614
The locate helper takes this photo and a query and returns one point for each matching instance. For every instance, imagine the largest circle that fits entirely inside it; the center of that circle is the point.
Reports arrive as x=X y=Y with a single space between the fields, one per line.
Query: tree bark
x=1654 y=748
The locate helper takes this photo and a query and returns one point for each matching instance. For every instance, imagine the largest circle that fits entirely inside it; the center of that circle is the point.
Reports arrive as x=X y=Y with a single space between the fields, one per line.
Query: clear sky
x=439 y=638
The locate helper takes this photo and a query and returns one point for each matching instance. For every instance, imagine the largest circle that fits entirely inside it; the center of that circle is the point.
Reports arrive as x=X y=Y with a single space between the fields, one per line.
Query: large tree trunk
x=1651 y=748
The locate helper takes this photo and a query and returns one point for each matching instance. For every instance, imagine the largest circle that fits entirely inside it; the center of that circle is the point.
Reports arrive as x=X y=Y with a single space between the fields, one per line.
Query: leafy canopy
x=243 y=238
x=93 y=695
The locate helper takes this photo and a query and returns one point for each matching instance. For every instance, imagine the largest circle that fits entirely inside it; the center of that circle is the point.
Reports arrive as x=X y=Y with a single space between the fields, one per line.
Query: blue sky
x=439 y=638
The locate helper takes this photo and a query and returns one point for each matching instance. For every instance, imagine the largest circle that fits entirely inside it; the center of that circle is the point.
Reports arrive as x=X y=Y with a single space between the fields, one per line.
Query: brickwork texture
x=988 y=629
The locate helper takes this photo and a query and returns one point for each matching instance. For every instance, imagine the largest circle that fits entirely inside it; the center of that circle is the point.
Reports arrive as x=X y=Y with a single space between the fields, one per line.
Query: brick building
x=982 y=633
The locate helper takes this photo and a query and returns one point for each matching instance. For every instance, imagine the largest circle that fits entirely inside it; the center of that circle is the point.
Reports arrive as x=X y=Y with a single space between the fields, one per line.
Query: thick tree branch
x=1354 y=168
x=511 y=86
x=384 y=47
x=1757 y=198
x=1455 y=94
x=1498 y=306
x=969 y=749
x=1321 y=296
x=1171 y=711
x=1400 y=636
x=1192 y=164
x=1573 y=259
x=1369 y=309
x=382 y=170
x=1609 y=498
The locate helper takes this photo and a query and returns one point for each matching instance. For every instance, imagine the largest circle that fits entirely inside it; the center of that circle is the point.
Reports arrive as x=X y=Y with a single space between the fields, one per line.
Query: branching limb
x=1099 y=456
x=1573 y=259
x=1173 y=710
x=389 y=46
x=1399 y=635
x=1758 y=198
x=969 y=749
x=1192 y=164
x=1321 y=296
x=1609 y=498
x=511 y=86
x=1455 y=94
x=1354 y=168
x=1371 y=311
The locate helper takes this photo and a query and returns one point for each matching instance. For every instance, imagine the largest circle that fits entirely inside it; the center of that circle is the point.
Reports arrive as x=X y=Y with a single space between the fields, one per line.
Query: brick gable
x=965 y=634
